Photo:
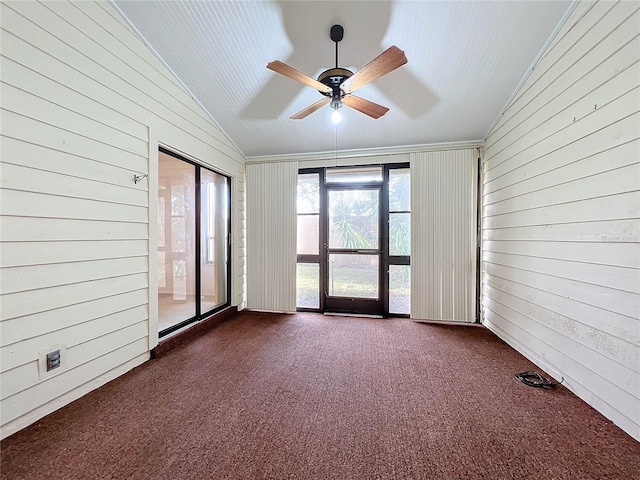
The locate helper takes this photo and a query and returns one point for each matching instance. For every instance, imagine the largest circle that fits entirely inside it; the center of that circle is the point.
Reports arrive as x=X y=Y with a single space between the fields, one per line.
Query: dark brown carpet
x=312 y=397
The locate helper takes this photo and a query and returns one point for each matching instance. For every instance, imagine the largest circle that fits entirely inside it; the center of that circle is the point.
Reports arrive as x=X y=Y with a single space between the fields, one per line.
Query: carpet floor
x=307 y=396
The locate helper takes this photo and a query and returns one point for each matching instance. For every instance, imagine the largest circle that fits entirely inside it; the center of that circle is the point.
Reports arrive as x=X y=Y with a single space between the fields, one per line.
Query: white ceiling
x=465 y=61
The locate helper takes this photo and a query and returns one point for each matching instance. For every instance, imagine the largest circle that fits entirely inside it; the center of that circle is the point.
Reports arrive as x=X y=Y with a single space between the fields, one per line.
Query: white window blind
x=443 y=235
x=271 y=236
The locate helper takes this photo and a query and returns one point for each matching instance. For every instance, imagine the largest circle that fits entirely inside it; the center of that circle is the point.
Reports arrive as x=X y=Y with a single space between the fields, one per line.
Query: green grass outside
x=356 y=281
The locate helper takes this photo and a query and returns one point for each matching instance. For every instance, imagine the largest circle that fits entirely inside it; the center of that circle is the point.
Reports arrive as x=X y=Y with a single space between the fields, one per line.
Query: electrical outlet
x=53 y=360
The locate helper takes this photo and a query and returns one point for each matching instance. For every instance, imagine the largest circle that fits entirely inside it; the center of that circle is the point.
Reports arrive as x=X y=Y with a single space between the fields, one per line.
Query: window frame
x=199 y=315
x=386 y=259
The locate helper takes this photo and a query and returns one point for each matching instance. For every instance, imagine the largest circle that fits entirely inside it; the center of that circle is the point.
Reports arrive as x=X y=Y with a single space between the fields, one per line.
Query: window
x=399 y=241
x=308 y=245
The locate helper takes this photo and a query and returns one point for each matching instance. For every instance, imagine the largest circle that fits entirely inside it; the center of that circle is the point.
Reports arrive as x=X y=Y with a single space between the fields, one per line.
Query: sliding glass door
x=193 y=242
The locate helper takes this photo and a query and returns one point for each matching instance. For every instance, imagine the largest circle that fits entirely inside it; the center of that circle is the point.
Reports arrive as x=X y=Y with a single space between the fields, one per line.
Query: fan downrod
x=335 y=76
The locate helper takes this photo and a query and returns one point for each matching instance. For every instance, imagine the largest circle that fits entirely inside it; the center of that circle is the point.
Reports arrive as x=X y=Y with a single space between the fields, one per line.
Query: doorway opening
x=354 y=234
x=194 y=223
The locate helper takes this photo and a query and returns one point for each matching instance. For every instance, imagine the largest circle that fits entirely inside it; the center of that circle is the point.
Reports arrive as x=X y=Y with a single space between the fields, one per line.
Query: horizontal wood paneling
x=54 y=387
x=613 y=397
x=32 y=326
x=15 y=254
x=84 y=106
x=618 y=230
x=43 y=110
x=610 y=136
x=619 y=375
x=566 y=132
x=84 y=386
x=609 y=399
x=594 y=253
x=17 y=203
x=25 y=303
x=539 y=128
x=19 y=127
x=74 y=335
x=558 y=173
x=35 y=85
x=615 y=207
x=614 y=300
x=30 y=180
x=32 y=277
x=68 y=44
x=23 y=377
x=19 y=375
x=110 y=23
x=95 y=164
x=26 y=229
x=561 y=212
x=593 y=38
x=587 y=340
x=610 y=325
x=620 y=278
x=605 y=184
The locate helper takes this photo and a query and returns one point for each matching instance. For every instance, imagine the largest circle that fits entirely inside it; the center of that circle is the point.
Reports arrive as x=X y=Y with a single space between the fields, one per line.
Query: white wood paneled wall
x=561 y=220
x=444 y=234
x=271 y=236
x=80 y=94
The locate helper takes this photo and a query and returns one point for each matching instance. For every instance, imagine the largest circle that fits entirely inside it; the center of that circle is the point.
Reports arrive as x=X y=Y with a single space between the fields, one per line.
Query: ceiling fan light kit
x=338 y=84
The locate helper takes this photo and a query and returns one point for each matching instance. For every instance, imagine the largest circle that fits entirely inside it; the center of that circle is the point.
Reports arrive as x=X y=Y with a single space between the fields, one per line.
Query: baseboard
x=448 y=322
x=194 y=331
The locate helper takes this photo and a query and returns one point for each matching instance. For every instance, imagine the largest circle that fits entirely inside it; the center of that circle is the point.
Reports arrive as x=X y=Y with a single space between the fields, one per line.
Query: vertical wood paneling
x=561 y=213
x=271 y=236
x=443 y=235
x=84 y=106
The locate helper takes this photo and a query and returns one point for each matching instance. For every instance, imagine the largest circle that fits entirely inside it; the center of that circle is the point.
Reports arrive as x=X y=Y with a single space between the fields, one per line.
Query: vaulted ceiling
x=465 y=61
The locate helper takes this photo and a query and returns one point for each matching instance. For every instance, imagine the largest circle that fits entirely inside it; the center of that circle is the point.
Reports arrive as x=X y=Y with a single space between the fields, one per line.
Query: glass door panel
x=400 y=289
x=308 y=285
x=308 y=234
x=214 y=232
x=354 y=219
x=399 y=234
x=354 y=275
x=177 y=245
x=352 y=282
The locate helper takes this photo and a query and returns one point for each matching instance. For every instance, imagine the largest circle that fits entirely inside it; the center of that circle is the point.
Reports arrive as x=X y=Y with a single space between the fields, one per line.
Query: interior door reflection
x=176 y=241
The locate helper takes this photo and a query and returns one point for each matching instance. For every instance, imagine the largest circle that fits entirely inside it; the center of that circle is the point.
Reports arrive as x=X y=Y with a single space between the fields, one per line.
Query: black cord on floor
x=534 y=379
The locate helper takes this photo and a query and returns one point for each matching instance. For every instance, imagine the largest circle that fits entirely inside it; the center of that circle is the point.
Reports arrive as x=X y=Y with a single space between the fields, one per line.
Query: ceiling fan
x=338 y=84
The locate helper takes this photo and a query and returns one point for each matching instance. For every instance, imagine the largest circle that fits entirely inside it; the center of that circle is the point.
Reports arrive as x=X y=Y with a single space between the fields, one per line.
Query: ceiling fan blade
x=384 y=63
x=310 y=109
x=365 y=106
x=284 y=69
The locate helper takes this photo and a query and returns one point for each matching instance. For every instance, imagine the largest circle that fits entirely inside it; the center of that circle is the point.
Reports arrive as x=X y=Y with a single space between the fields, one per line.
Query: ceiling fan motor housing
x=333 y=78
